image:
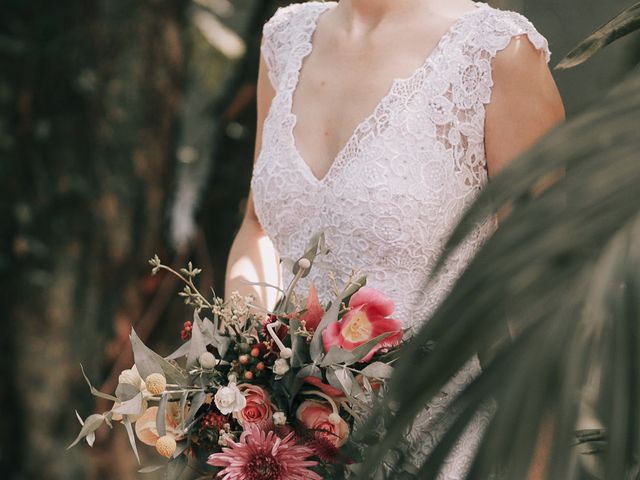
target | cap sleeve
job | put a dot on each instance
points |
(276, 40)
(495, 34)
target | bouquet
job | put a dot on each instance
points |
(252, 394)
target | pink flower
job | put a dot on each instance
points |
(365, 320)
(314, 310)
(258, 409)
(263, 455)
(319, 416)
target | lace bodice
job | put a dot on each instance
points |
(400, 184)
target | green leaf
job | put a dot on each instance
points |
(330, 316)
(176, 466)
(298, 344)
(181, 351)
(91, 424)
(94, 391)
(306, 371)
(198, 344)
(622, 25)
(133, 406)
(311, 252)
(341, 378)
(363, 350)
(151, 468)
(378, 370)
(337, 355)
(147, 361)
(126, 391)
(196, 402)
(161, 424)
(132, 439)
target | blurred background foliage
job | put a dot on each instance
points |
(127, 129)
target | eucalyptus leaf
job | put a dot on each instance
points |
(132, 439)
(378, 370)
(161, 423)
(310, 253)
(341, 378)
(330, 316)
(134, 406)
(94, 391)
(176, 466)
(181, 351)
(298, 344)
(147, 361)
(126, 391)
(151, 468)
(196, 402)
(337, 355)
(363, 350)
(197, 345)
(91, 424)
(306, 371)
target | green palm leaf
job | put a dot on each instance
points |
(563, 271)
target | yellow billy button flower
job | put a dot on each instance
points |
(156, 383)
(166, 446)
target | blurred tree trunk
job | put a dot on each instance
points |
(90, 96)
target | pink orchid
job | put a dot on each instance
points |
(366, 319)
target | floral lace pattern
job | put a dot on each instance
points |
(400, 184)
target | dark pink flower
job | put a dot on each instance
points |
(366, 319)
(258, 409)
(313, 310)
(263, 455)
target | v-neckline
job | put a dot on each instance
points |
(352, 140)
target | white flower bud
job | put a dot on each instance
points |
(334, 418)
(286, 353)
(156, 383)
(281, 366)
(131, 376)
(207, 360)
(304, 263)
(279, 418)
(232, 377)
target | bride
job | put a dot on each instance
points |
(379, 121)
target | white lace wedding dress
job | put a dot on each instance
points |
(398, 186)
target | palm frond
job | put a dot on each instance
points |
(563, 269)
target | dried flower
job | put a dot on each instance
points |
(279, 418)
(156, 383)
(166, 446)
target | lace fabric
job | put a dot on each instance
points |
(400, 184)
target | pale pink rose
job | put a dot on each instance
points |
(314, 415)
(366, 319)
(146, 429)
(258, 409)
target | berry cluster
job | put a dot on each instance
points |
(185, 334)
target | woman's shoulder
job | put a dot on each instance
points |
(495, 28)
(290, 15)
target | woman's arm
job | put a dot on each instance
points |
(252, 256)
(525, 105)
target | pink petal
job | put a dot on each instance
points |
(314, 310)
(373, 301)
(331, 336)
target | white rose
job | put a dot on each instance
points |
(279, 418)
(281, 366)
(229, 399)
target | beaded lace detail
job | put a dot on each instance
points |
(399, 185)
